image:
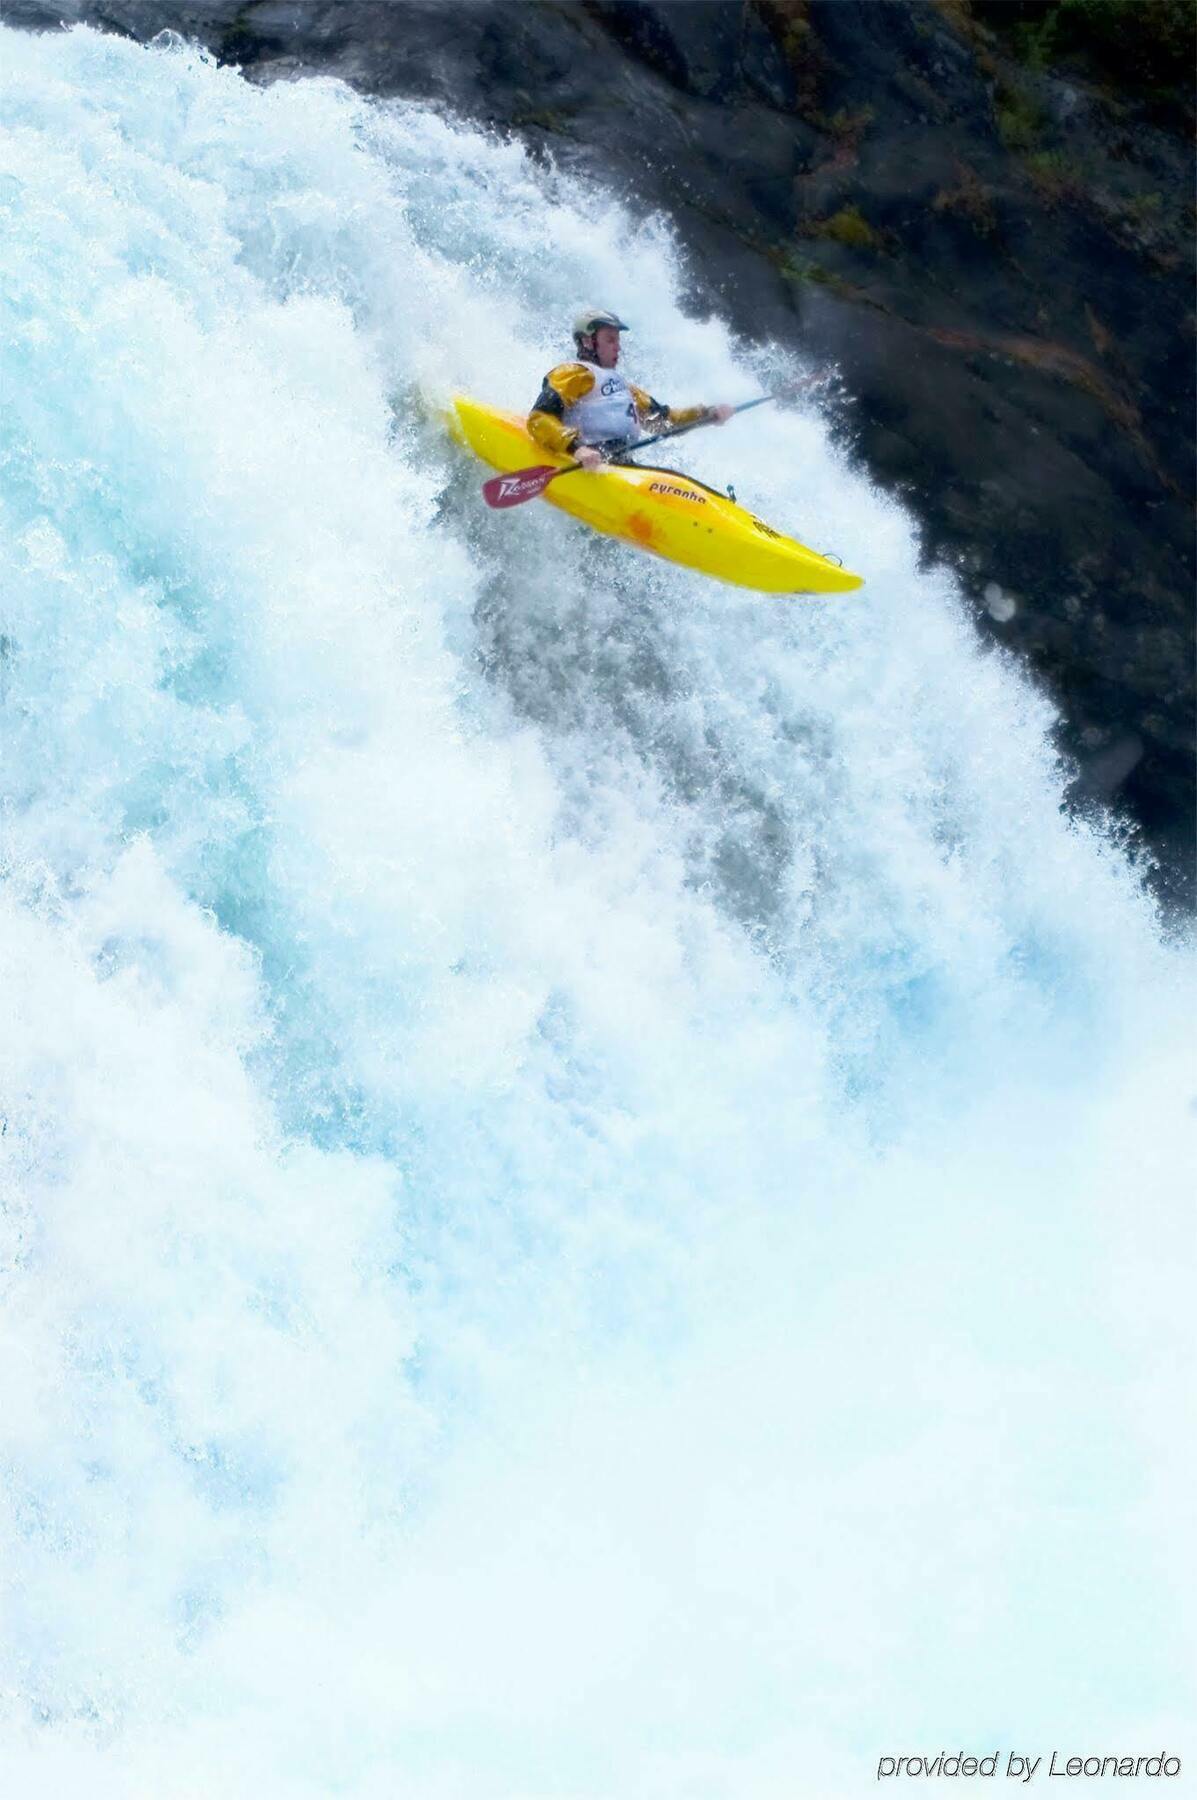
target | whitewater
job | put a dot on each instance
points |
(595, 1173)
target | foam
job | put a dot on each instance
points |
(593, 1168)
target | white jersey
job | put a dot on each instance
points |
(607, 411)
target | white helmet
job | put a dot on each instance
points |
(587, 323)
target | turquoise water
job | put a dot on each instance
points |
(594, 1172)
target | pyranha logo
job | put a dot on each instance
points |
(667, 487)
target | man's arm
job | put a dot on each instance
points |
(654, 415)
(563, 386)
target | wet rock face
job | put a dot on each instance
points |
(995, 248)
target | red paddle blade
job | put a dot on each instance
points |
(524, 484)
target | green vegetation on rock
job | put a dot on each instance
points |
(1056, 175)
(801, 270)
(970, 200)
(1148, 47)
(849, 226)
(1020, 119)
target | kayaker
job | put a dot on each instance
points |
(585, 403)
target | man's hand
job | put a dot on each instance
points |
(721, 414)
(587, 457)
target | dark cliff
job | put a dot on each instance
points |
(982, 211)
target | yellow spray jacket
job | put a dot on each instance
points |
(570, 382)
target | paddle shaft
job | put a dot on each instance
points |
(673, 431)
(526, 484)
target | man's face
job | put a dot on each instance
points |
(606, 346)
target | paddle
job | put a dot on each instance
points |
(526, 484)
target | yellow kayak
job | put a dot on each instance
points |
(659, 510)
